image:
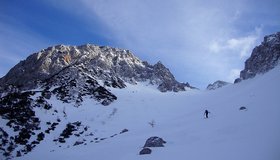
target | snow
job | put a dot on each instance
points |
(228, 133)
(271, 38)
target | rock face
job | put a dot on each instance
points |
(111, 65)
(263, 58)
(216, 85)
(18, 111)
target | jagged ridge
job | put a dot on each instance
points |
(100, 62)
(263, 58)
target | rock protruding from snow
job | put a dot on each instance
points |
(18, 110)
(263, 58)
(145, 151)
(243, 108)
(189, 86)
(154, 142)
(113, 66)
(217, 84)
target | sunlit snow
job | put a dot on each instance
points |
(228, 133)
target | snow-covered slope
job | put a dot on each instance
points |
(217, 84)
(229, 133)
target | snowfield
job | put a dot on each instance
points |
(228, 134)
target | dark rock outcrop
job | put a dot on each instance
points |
(145, 151)
(18, 109)
(154, 142)
(263, 58)
(243, 108)
(123, 131)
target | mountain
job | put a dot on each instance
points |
(217, 84)
(110, 65)
(73, 72)
(263, 58)
(67, 75)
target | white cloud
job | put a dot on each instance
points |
(241, 46)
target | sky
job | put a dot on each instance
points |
(199, 41)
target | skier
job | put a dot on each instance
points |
(206, 113)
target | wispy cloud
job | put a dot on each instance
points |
(241, 46)
(15, 43)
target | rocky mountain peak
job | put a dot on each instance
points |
(103, 63)
(263, 58)
(273, 39)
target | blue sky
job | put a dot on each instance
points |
(199, 41)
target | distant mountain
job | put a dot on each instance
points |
(263, 58)
(217, 84)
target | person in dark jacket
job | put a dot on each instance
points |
(206, 113)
